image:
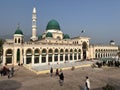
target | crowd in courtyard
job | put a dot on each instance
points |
(85, 78)
(7, 71)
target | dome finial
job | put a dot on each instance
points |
(18, 31)
(18, 25)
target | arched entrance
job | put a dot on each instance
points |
(43, 58)
(36, 56)
(9, 55)
(18, 55)
(28, 56)
(56, 55)
(84, 48)
(50, 54)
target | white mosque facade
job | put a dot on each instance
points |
(52, 47)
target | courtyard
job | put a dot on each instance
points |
(74, 79)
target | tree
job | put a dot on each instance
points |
(1, 46)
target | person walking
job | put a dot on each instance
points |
(12, 70)
(57, 72)
(87, 83)
(61, 77)
(51, 72)
(9, 73)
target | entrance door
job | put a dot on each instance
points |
(84, 48)
(84, 54)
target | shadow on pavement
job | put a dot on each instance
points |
(9, 85)
(116, 88)
(82, 88)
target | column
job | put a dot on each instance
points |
(25, 59)
(4, 60)
(68, 57)
(58, 58)
(39, 59)
(53, 58)
(46, 58)
(81, 55)
(64, 57)
(32, 59)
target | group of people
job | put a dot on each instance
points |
(61, 78)
(7, 71)
(58, 73)
(109, 63)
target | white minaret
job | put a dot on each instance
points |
(34, 26)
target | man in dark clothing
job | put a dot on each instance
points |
(57, 72)
(12, 71)
(61, 77)
(51, 71)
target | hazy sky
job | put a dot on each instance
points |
(100, 19)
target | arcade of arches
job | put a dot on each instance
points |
(44, 56)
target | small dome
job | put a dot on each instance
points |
(49, 34)
(39, 37)
(66, 36)
(53, 24)
(18, 31)
(112, 41)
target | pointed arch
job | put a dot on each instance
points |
(19, 40)
(50, 54)
(29, 53)
(18, 55)
(44, 53)
(85, 48)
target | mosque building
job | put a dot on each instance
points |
(52, 47)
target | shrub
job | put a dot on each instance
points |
(108, 87)
(72, 68)
(93, 65)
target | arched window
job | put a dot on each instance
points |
(75, 54)
(36, 58)
(56, 51)
(15, 40)
(56, 55)
(28, 56)
(71, 54)
(61, 54)
(66, 55)
(9, 56)
(19, 40)
(44, 52)
(84, 45)
(36, 52)
(50, 53)
(96, 55)
(9, 51)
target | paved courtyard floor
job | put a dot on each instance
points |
(74, 80)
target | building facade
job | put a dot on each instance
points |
(52, 47)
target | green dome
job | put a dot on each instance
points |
(39, 37)
(49, 34)
(18, 31)
(53, 24)
(66, 36)
(111, 40)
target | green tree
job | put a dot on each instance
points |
(1, 46)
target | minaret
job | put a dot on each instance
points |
(34, 27)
